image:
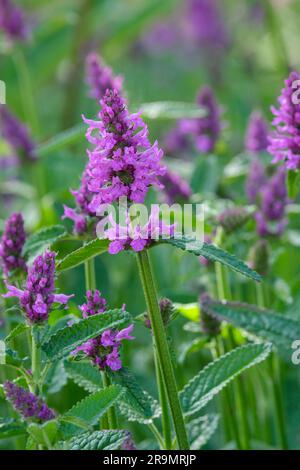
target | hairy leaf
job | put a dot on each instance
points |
(201, 429)
(96, 440)
(43, 239)
(11, 428)
(82, 254)
(85, 375)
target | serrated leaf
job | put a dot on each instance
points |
(56, 378)
(215, 254)
(18, 330)
(171, 110)
(67, 339)
(44, 434)
(265, 324)
(11, 428)
(82, 254)
(90, 409)
(136, 404)
(201, 429)
(43, 239)
(85, 375)
(216, 375)
(96, 440)
(62, 140)
(11, 358)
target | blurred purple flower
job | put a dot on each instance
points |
(123, 162)
(39, 294)
(175, 188)
(27, 404)
(17, 135)
(285, 139)
(176, 141)
(104, 350)
(257, 133)
(11, 245)
(256, 180)
(128, 443)
(12, 21)
(100, 78)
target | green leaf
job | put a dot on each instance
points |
(190, 311)
(44, 434)
(171, 110)
(18, 330)
(265, 324)
(56, 378)
(90, 409)
(293, 183)
(62, 140)
(96, 440)
(213, 253)
(67, 339)
(216, 375)
(11, 428)
(201, 429)
(136, 404)
(206, 175)
(11, 358)
(43, 239)
(82, 254)
(192, 347)
(85, 375)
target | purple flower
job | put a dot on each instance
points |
(100, 77)
(256, 180)
(27, 404)
(175, 188)
(270, 218)
(122, 162)
(176, 141)
(206, 130)
(104, 350)
(206, 24)
(285, 139)
(39, 294)
(128, 443)
(17, 135)
(12, 21)
(11, 245)
(257, 133)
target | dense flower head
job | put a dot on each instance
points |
(205, 130)
(11, 245)
(104, 350)
(27, 404)
(17, 135)
(136, 236)
(257, 133)
(81, 214)
(175, 188)
(285, 139)
(233, 218)
(123, 162)
(99, 77)
(176, 142)
(12, 21)
(256, 180)
(206, 24)
(270, 217)
(39, 295)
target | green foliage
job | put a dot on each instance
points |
(293, 183)
(11, 428)
(67, 339)
(88, 251)
(96, 440)
(201, 429)
(19, 329)
(44, 434)
(84, 374)
(62, 140)
(43, 239)
(216, 375)
(171, 110)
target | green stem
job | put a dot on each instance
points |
(163, 352)
(111, 413)
(90, 274)
(166, 423)
(35, 362)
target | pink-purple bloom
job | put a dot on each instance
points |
(100, 78)
(104, 350)
(27, 404)
(285, 139)
(12, 21)
(38, 296)
(256, 140)
(122, 162)
(256, 180)
(175, 188)
(17, 135)
(11, 245)
(205, 130)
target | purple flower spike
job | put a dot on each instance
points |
(12, 21)
(175, 188)
(39, 294)
(104, 350)
(257, 134)
(285, 139)
(123, 162)
(27, 404)
(206, 130)
(11, 245)
(255, 181)
(100, 77)
(17, 135)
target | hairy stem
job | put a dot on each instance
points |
(166, 423)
